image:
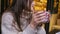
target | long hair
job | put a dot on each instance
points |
(18, 9)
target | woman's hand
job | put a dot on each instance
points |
(39, 17)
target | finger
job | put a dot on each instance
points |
(41, 15)
(42, 21)
(48, 15)
(37, 13)
(38, 22)
(41, 18)
(38, 19)
(38, 16)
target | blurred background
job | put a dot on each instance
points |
(0, 16)
(53, 6)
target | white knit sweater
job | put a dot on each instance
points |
(9, 26)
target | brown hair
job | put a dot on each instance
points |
(17, 9)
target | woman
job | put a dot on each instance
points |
(14, 21)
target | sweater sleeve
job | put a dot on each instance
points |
(41, 30)
(29, 30)
(6, 27)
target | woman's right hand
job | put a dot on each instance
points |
(39, 17)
